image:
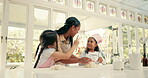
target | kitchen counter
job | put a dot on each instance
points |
(102, 71)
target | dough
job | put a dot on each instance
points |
(57, 67)
(90, 65)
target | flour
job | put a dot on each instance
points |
(57, 67)
(90, 65)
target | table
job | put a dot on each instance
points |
(102, 71)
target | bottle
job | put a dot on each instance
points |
(144, 60)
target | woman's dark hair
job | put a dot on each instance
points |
(48, 37)
(96, 48)
(69, 23)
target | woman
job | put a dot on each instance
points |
(66, 34)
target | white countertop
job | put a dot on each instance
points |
(102, 71)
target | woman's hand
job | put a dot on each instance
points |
(76, 42)
(84, 60)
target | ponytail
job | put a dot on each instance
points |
(71, 41)
(37, 51)
(63, 29)
(41, 51)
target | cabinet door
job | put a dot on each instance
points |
(1, 16)
(42, 19)
(133, 39)
(16, 34)
(2, 42)
(125, 35)
(59, 18)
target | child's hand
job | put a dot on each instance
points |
(76, 42)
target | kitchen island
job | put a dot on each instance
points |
(102, 71)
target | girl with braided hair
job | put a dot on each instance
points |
(49, 52)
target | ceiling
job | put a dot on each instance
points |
(87, 22)
(138, 4)
(91, 22)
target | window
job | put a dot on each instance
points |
(16, 33)
(102, 9)
(62, 2)
(146, 19)
(133, 40)
(140, 35)
(146, 35)
(77, 3)
(112, 11)
(47, 0)
(123, 14)
(146, 32)
(139, 17)
(59, 18)
(125, 52)
(131, 16)
(90, 5)
(1, 16)
(125, 36)
(40, 24)
(115, 40)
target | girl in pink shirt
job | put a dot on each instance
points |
(49, 52)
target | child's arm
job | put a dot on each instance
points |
(61, 55)
(100, 58)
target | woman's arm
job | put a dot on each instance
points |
(61, 55)
(69, 61)
(73, 56)
(83, 60)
